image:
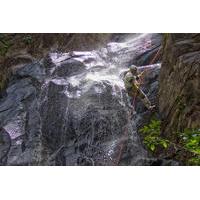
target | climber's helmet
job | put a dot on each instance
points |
(133, 69)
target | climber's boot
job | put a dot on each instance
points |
(151, 107)
(147, 103)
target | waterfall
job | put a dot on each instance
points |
(74, 109)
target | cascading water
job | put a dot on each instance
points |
(74, 109)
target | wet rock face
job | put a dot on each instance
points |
(27, 47)
(150, 55)
(72, 109)
(89, 118)
(180, 83)
(20, 116)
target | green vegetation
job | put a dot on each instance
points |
(27, 39)
(2, 82)
(190, 140)
(4, 45)
(7, 41)
(152, 138)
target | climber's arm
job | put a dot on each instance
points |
(135, 82)
(141, 74)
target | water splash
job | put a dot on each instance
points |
(104, 67)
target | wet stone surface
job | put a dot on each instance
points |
(72, 109)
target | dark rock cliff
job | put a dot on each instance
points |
(179, 91)
(19, 49)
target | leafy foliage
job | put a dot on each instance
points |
(28, 39)
(191, 142)
(152, 137)
(4, 45)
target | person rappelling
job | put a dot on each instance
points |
(132, 85)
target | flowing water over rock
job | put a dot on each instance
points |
(72, 108)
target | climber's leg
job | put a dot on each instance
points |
(145, 99)
(132, 100)
(131, 95)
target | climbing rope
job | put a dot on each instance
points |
(141, 80)
(125, 132)
(152, 61)
(121, 147)
(154, 58)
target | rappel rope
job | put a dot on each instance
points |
(141, 80)
(125, 132)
